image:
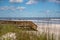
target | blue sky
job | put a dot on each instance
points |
(29, 8)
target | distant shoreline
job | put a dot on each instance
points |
(29, 18)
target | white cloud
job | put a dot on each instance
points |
(13, 8)
(56, 1)
(21, 8)
(16, 1)
(7, 8)
(4, 8)
(32, 2)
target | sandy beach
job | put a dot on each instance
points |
(49, 28)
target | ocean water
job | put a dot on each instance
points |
(34, 19)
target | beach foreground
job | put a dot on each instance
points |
(45, 31)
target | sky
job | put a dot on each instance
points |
(29, 8)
